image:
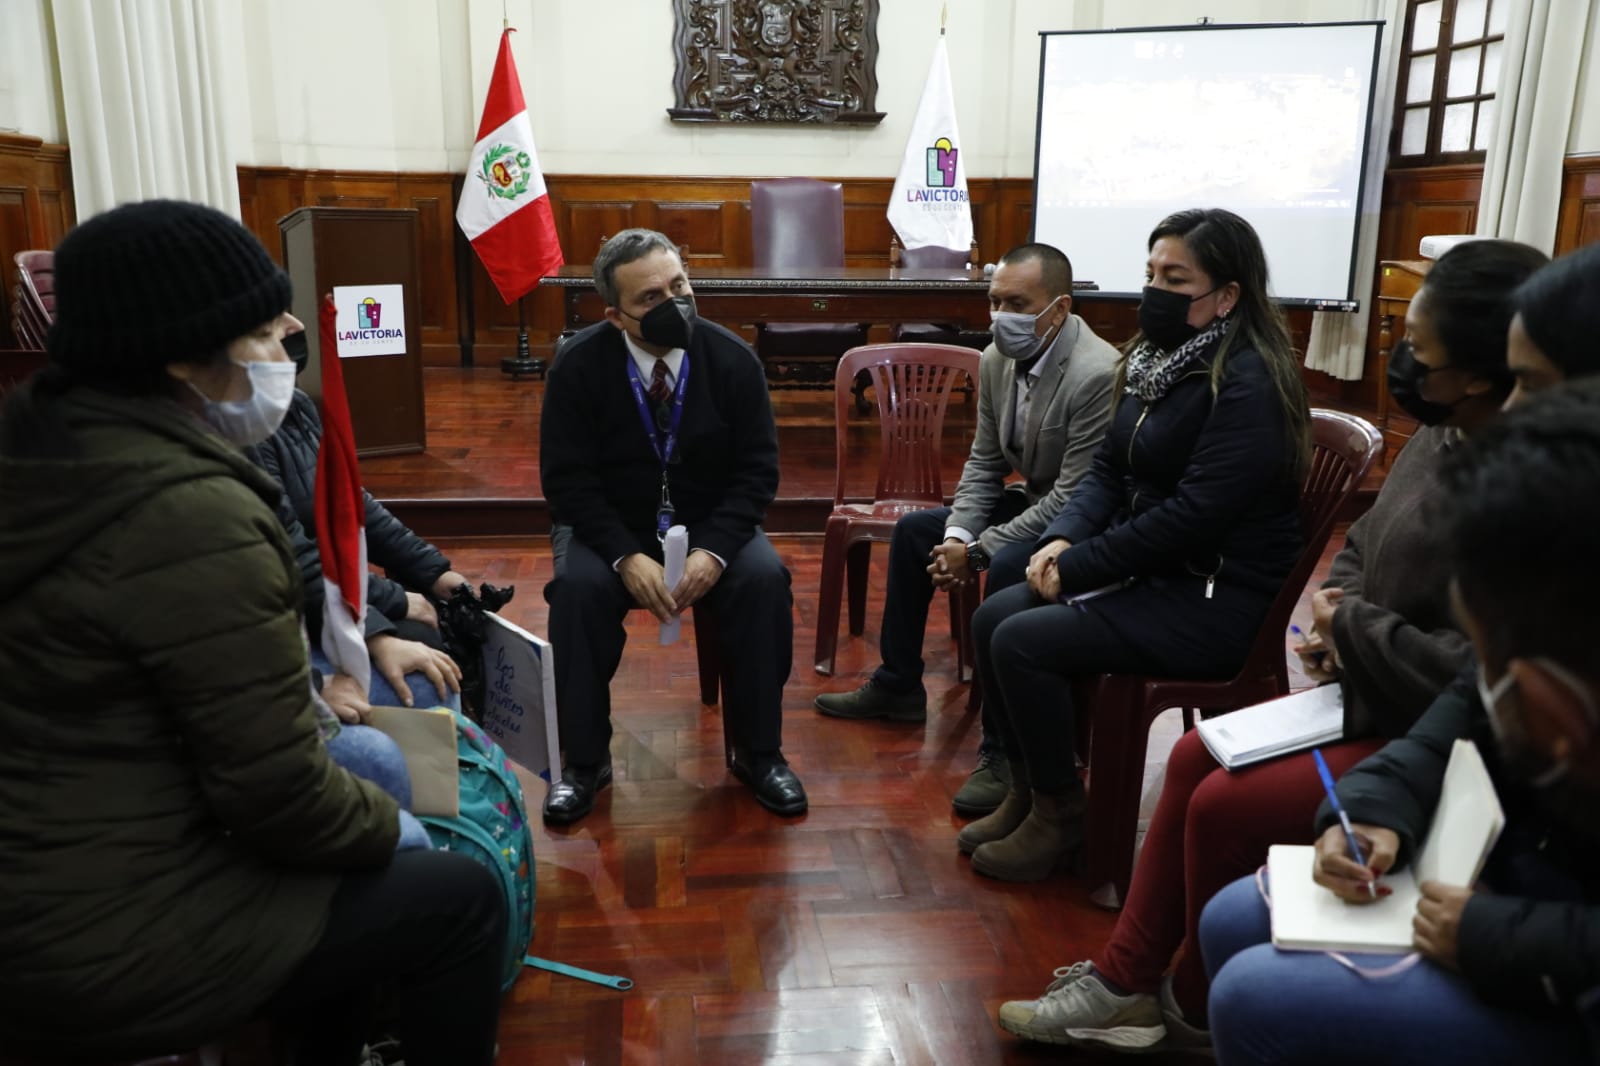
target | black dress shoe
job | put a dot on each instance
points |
(573, 796)
(775, 785)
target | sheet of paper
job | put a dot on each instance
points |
(427, 738)
(1293, 723)
(675, 551)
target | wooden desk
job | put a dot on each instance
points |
(1398, 282)
(736, 296)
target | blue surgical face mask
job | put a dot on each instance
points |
(251, 421)
(1015, 332)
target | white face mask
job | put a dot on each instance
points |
(247, 422)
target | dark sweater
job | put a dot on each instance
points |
(1394, 630)
(1189, 484)
(601, 474)
(409, 562)
(1533, 938)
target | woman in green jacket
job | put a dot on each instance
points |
(178, 854)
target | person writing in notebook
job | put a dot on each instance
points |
(1510, 968)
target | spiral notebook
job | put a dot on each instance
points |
(1466, 825)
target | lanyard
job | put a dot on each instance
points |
(664, 449)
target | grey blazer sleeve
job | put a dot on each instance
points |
(1088, 416)
(984, 476)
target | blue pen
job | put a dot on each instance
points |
(1344, 819)
(1297, 631)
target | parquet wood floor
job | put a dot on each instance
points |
(483, 441)
(854, 935)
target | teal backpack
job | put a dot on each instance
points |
(492, 828)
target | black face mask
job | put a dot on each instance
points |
(669, 323)
(1164, 317)
(1406, 376)
(295, 346)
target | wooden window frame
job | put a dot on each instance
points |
(1442, 52)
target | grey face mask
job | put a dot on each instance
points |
(1014, 335)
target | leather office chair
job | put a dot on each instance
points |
(799, 222)
(912, 383)
(1118, 709)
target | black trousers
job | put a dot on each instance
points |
(753, 607)
(1030, 652)
(905, 604)
(425, 939)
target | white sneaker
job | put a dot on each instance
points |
(1078, 1008)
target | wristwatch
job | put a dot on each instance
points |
(977, 558)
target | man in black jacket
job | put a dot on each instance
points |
(401, 623)
(1512, 965)
(655, 418)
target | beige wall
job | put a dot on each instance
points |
(396, 84)
(30, 88)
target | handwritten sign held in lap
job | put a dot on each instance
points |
(520, 696)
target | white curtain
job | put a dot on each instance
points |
(145, 84)
(1338, 343)
(1533, 107)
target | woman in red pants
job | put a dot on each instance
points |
(1382, 629)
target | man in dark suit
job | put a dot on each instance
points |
(655, 418)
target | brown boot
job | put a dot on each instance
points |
(1048, 838)
(1011, 813)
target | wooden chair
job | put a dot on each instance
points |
(1118, 709)
(912, 384)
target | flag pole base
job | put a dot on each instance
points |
(523, 363)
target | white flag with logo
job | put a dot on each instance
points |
(929, 205)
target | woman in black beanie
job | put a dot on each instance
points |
(177, 852)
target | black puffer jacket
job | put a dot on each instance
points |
(290, 456)
(1530, 938)
(1189, 484)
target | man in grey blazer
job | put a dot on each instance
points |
(1044, 401)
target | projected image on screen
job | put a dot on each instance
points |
(1270, 122)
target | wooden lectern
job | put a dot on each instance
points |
(329, 247)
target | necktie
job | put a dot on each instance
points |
(660, 391)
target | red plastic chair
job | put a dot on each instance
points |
(713, 672)
(912, 383)
(36, 271)
(1119, 709)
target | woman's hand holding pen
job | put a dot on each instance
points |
(1316, 658)
(1336, 871)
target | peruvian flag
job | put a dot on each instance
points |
(505, 208)
(341, 520)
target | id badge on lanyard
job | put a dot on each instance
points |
(664, 449)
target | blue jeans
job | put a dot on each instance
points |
(382, 694)
(1271, 1006)
(368, 753)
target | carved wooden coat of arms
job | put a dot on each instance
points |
(776, 61)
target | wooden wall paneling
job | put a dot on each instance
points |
(36, 208)
(13, 239)
(1578, 221)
